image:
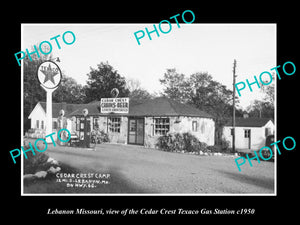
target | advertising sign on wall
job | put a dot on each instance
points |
(114, 105)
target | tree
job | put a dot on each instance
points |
(32, 91)
(212, 97)
(269, 90)
(102, 80)
(200, 90)
(264, 107)
(260, 108)
(176, 86)
(203, 92)
(269, 98)
(208, 94)
(133, 84)
(137, 93)
(69, 91)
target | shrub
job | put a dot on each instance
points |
(165, 143)
(214, 148)
(103, 137)
(225, 144)
(35, 163)
(38, 162)
(180, 142)
(192, 144)
(100, 136)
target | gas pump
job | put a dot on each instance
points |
(84, 130)
(62, 124)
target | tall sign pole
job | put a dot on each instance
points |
(233, 116)
(49, 75)
(49, 110)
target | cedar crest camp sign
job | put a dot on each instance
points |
(114, 105)
(49, 74)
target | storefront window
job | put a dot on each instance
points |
(114, 124)
(95, 123)
(162, 126)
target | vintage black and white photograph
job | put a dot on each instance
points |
(171, 108)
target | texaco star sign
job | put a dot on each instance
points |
(49, 74)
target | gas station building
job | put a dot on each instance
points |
(139, 124)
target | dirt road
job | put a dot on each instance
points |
(136, 169)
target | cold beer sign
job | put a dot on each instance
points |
(114, 105)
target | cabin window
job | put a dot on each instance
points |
(194, 126)
(203, 127)
(247, 133)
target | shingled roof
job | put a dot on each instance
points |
(67, 107)
(161, 106)
(249, 122)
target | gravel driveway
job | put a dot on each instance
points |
(135, 169)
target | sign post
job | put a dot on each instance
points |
(49, 75)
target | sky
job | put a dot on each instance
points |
(191, 48)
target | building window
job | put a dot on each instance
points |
(162, 126)
(202, 127)
(95, 123)
(42, 124)
(247, 133)
(37, 124)
(194, 126)
(267, 131)
(114, 124)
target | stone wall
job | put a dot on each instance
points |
(205, 130)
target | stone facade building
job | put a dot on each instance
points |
(145, 122)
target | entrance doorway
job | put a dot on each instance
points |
(136, 131)
(248, 138)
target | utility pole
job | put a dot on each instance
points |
(233, 116)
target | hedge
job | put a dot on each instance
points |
(180, 142)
